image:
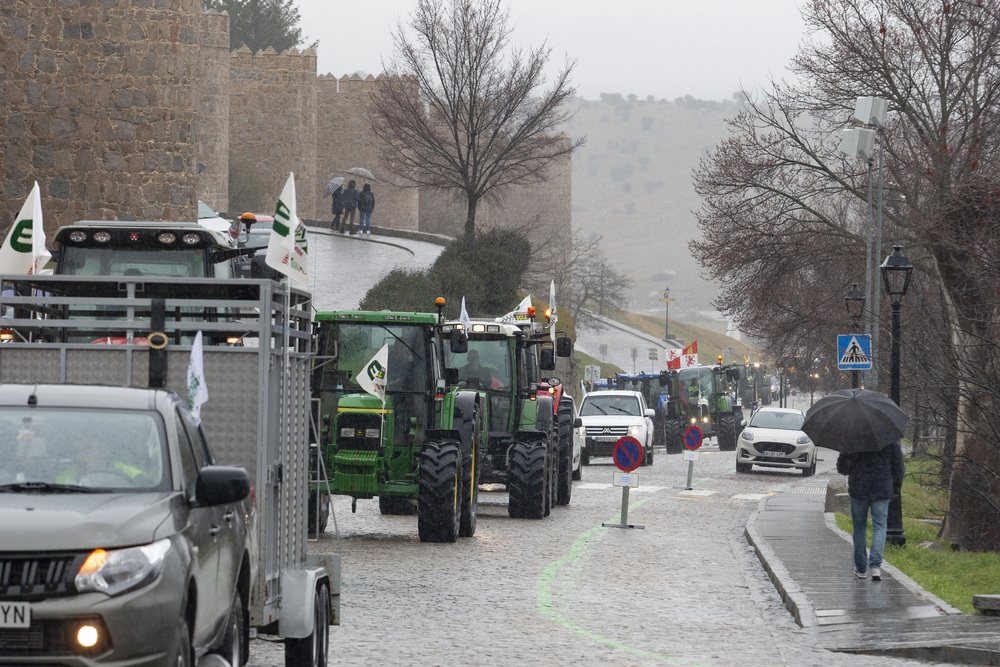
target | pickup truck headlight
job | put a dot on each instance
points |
(119, 570)
(634, 430)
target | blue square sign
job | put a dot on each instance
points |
(854, 352)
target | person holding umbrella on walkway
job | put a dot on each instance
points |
(866, 428)
(350, 201)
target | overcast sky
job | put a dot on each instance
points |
(664, 48)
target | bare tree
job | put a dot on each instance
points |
(461, 110)
(590, 283)
(784, 212)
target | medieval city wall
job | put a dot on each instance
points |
(98, 105)
(213, 111)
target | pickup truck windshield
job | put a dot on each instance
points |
(50, 449)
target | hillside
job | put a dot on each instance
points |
(632, 185)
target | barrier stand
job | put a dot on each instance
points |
(626, 480)
(628, 455)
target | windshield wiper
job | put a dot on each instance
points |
(597, 407)
(39, 487)
(623, 410)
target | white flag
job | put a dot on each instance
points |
(197, 389)
(519, 313)
(24, 251)
(287, 247)
(553, 316)
(464, 318)
(372, 377)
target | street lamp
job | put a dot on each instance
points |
(666, 322)
(896, 272)
(855, 300)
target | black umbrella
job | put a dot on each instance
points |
(855, 420)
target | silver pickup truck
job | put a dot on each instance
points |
(122, 542)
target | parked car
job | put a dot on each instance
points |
(123, 542)
(611, 415)
(579, 436)
(773, 437)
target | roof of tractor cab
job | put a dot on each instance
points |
(379, 316)
(486, 327)
(122, 233)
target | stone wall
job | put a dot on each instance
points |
(98, 104)
(213, 111)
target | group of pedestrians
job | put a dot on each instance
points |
(350, 201)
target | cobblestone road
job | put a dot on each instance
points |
(685, 590)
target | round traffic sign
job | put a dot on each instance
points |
(627, 454)
(693, 437)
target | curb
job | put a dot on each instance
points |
(791, 594)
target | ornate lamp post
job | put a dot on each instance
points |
(855, 300)
(896, 272)
(666, 324)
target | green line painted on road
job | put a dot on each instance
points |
(579, 548)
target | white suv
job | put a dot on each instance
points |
(609, 416)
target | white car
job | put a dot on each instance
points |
(209, 219)
(579, 435)
(773, 437)
(611, 415)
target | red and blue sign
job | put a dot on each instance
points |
(693, 437)
(628, 454)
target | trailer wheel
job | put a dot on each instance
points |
(439, 505)
(470, 481)
(396, 506)
(527, 480)
(565, 484)
(311, 651)
(672, 436)
(324, 513)
(727, 432)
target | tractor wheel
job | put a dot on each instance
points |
(324, 514)
(672, 436)
(565, 474)
(726, 434)
(527, 480)
(394, 505)
(439, 505)
(470, 482)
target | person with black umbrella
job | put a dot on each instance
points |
(866, 428)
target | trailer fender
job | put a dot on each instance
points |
(465, 422)
(297, 590)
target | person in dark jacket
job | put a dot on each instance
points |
(350, 201)
(338, 208)
(366, 204)
(873, 478)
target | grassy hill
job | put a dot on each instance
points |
(632, 185)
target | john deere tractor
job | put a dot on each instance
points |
(530, 438)
(418, 444)
(698, 396)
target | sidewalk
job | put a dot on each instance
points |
(809, 560)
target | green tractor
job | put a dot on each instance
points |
(530, 431)
(417, 444)
(699, 396)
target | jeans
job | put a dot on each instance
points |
(859, 518)
(365, 221)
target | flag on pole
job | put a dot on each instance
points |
(287, 248)
(197, 389)
(553, 316)
(673, 358)
(464, 318)
(689, 357)
(519, 313)
(372, 377)
(24, 251)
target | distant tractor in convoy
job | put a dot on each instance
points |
(418, 448)
(698, 396)
(530, 447)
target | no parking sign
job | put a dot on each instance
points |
(627, 454)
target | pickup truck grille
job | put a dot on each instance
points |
(608, 431)
(38, 576)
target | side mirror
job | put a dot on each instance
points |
(221, 485)
(547, 360)
(577, 423)
(564, 346)
(458, 342)
(451, 376)
(650, 412)
(664, 377)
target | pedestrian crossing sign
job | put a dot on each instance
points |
(854, 352)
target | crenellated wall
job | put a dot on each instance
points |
(136, 109)
(98, 104)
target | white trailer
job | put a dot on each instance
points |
(135, 331)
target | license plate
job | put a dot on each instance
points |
(15, 615)
(605, 438)
(778, 454)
